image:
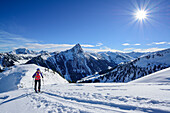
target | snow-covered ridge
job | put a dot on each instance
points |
(135, 69)
(20, 76)
(159, 57)
(162, 76)
(117, 57)
(9, 59)
(22, 51)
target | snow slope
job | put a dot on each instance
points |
(81, 98)
(157, 77)
(89, 98)
(125, 72)
(20, 76)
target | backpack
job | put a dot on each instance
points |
(37, 76)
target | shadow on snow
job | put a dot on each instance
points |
(19, 97)
(123, 107)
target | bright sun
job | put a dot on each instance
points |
(141, 15)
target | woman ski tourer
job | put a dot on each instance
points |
(37, 75)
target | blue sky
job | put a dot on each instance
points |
(98, 25)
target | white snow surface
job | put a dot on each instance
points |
(20, 76)
(162, 76)
(89, 98)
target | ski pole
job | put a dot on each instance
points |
(43, 81)
(33, 82)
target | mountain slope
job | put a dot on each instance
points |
(9, 59)
(135, 54)
(113, 57)
(162, 76)
(139, 67)
(89, 98)
(20, 76)
(74, 64)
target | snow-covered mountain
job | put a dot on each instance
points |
(43, 52)
(9, 59)
(162, 76)
(20, 76)
(74, 64)
(135, 54)
(17, 56)
(22, 51)
(137, 68)
(116, 57)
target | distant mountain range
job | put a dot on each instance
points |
(77, 65)
(132, 70)
(22, 51)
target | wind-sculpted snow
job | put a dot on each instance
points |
(89, 98)
(20, 76)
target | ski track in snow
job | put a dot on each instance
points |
(95, 98)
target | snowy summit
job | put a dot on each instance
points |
(22, 51)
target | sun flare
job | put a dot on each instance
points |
(141, 15)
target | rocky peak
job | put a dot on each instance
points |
(77, 49)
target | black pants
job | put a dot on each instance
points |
(39, 85)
